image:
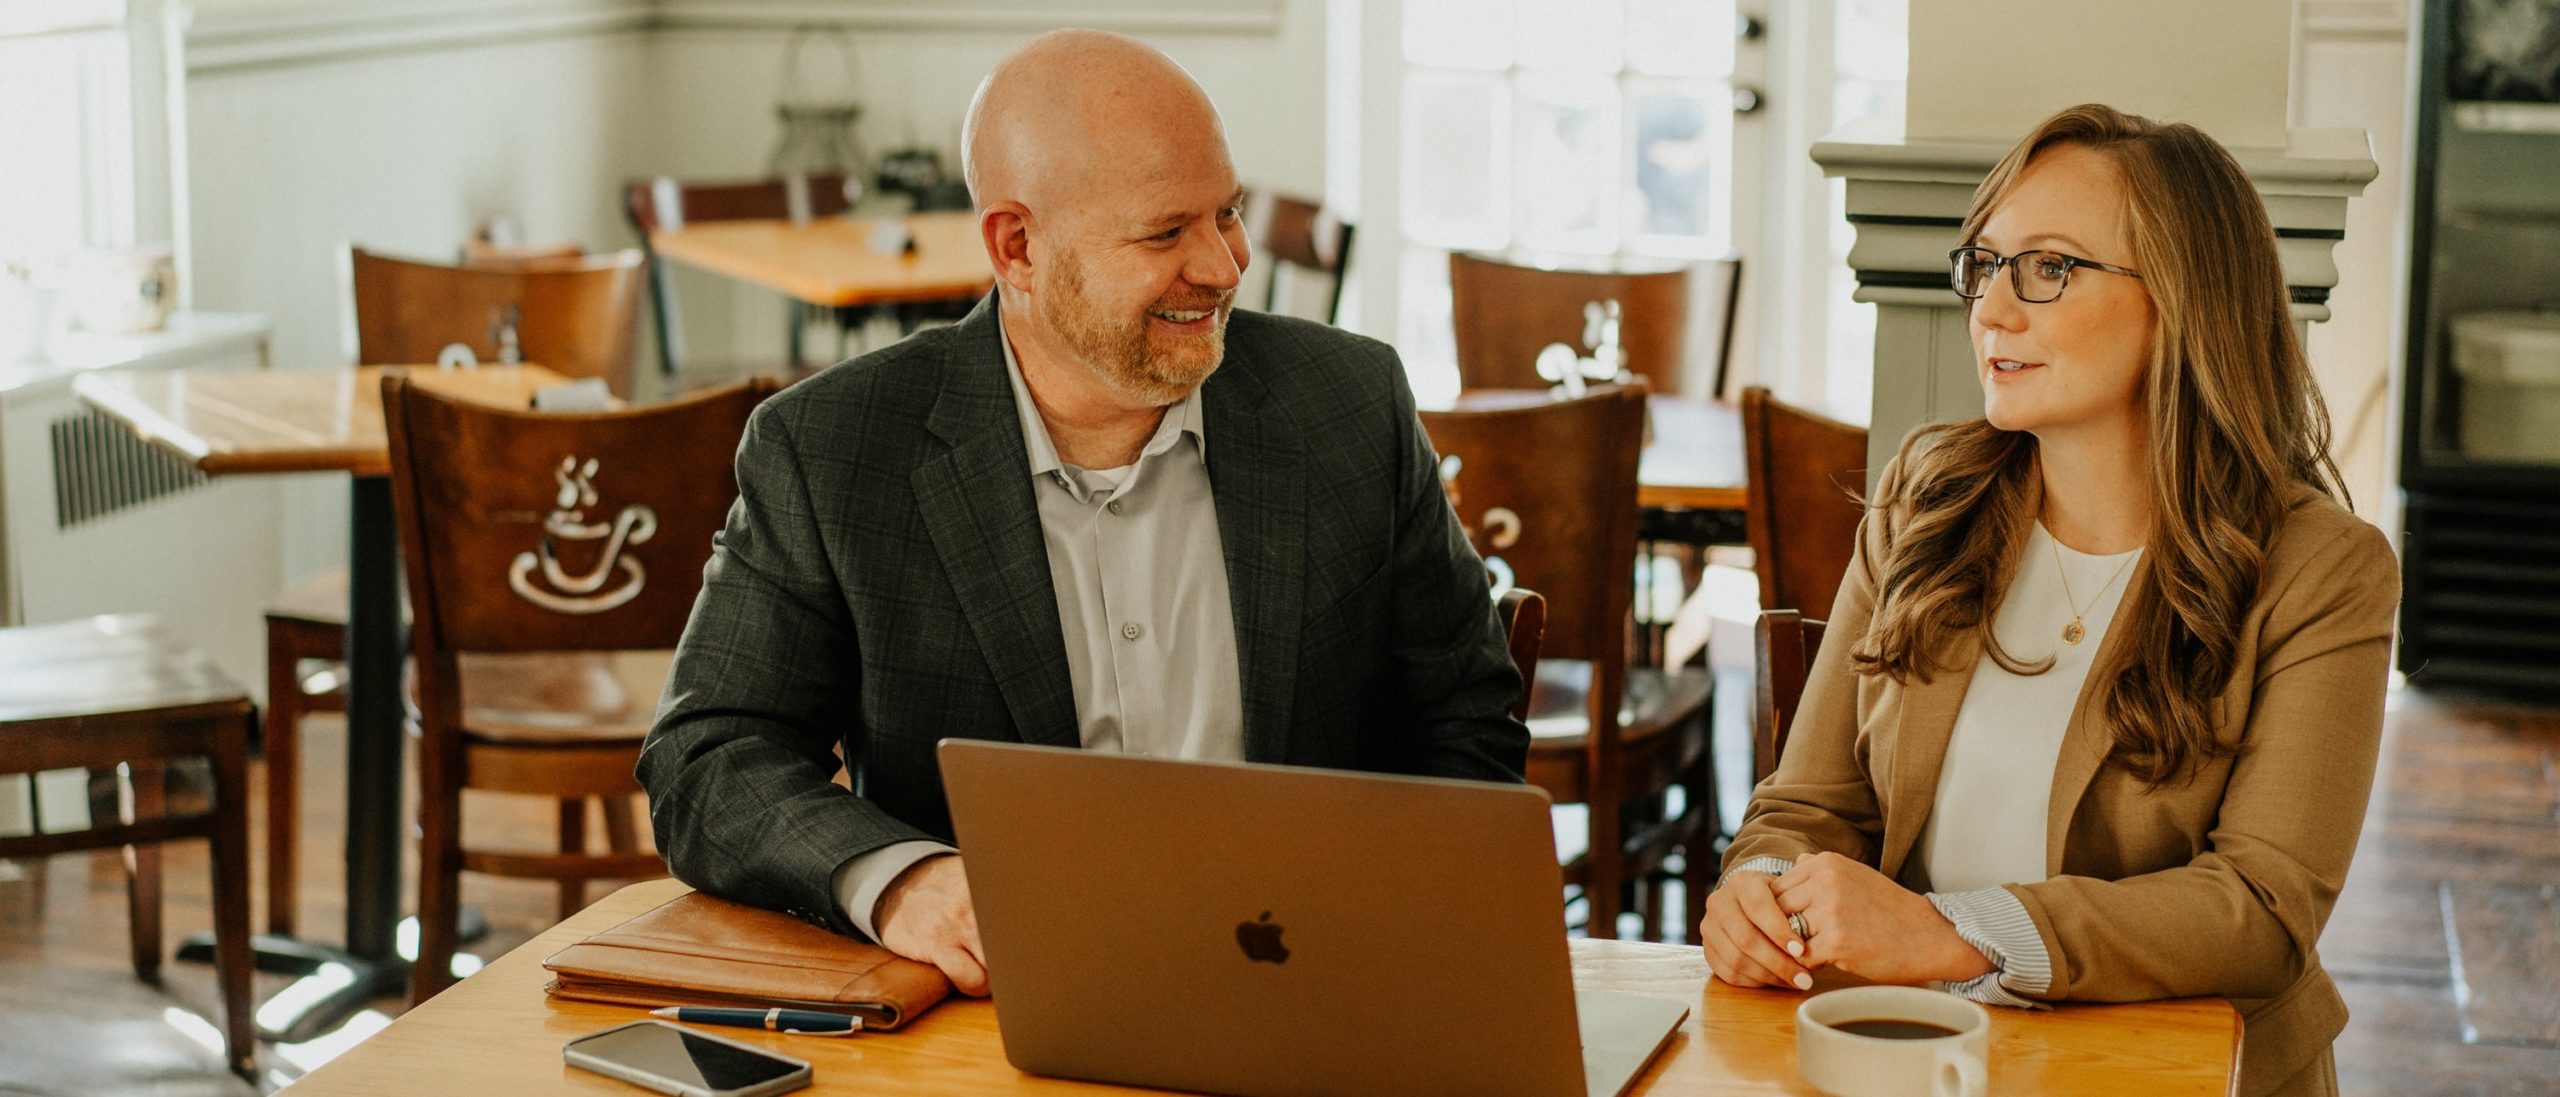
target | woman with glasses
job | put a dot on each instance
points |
(2097, 710)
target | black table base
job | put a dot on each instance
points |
(330, 984)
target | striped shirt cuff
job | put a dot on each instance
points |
(1993, 921)
(1772, 866)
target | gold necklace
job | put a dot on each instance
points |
(2072, 633)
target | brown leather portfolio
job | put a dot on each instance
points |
(698, 950)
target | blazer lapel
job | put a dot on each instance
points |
(1257, 476)
(977, 506)
(1926, 722)
(2088, 739)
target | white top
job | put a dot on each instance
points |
(1987, 826)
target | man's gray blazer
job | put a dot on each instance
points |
(882, 585)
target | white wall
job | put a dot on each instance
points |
(2352, 71)
(404, 150)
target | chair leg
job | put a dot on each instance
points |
(231, 955)
(439, 873)
(573, 839)
(142, 869)
(621, 834)
(284, 776)
(1702, 858)
(1603, 874)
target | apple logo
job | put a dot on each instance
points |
(1261, 941)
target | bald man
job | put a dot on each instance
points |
(1102, 511)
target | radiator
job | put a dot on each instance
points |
(94, 520)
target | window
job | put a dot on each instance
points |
(68, 131)
(1870, 59)
(1579, 129)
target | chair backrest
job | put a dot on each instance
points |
(1524, 623)
(1806, 475)
(484, 255)
(578, 319)
(1547, 492)
(1724, 298)
(1505, 313)
(525, 531)
(665, 203)
(1298, 233)
(1785, 642)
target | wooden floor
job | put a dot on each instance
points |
(74, 1020)
(2447, 941)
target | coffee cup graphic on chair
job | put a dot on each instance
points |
(634, 524)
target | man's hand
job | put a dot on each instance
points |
(1746, 935)
(925, 914)
(1869, 926)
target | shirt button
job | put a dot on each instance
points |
(1131, 631)
(1112, 506)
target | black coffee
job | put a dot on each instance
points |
(1890, 1029)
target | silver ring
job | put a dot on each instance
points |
(1796, 923)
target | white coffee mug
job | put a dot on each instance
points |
(1843, 1062)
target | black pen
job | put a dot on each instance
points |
(806, 1022)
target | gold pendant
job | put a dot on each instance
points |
(2071, 633)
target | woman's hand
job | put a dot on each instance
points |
(1746, 935)
(1859, 921)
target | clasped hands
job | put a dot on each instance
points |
(1854, 918)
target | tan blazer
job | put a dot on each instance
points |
(2216, 887)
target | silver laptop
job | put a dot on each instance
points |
(1274, 931)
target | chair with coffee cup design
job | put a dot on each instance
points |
(575, 318)
(528, 537)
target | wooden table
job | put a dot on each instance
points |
(232, 421)
(249, 421)
(828, 261)
(495, 1033)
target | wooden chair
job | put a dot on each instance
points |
(108, 691)
(1294, 232)
(483, 255)
(1785, 642)
(307, 624)
(1524, 624)
(524, 533)
(1506, 312)
(1806, 479)
(573, 315)
(664, 203)
(1547, 490)
(578, 320)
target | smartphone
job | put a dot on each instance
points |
(660, 1056)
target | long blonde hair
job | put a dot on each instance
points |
(2236, 425)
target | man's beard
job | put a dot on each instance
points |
(1118, 347)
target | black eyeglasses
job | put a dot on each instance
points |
(2037, 276)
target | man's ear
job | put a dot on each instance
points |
(1006, 228)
